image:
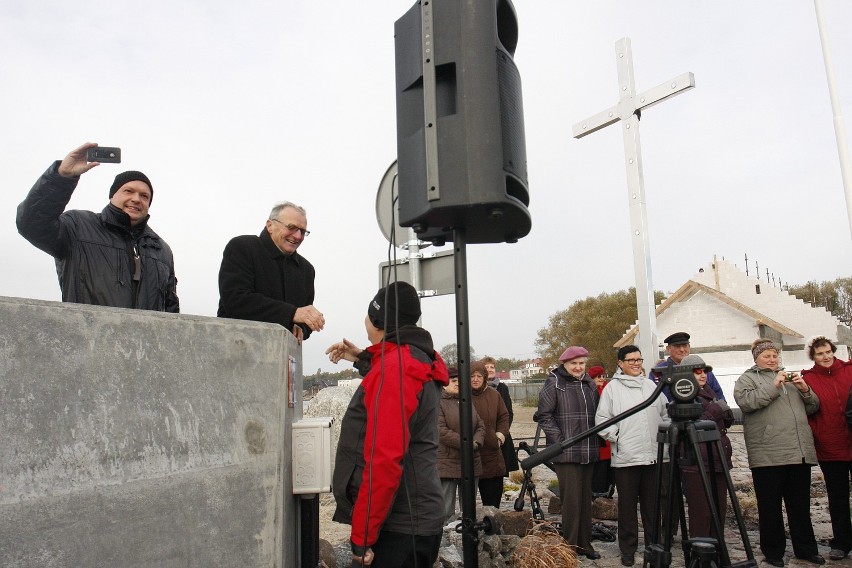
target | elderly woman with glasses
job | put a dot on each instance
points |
(831, 380)
(633, 446)
(780, 448)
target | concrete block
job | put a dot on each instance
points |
(131, 438)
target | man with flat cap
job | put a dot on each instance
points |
(112, 258)
(677, 347)
(386, 482)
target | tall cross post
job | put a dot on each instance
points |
(628, 111)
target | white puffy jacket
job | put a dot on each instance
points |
(634, 439)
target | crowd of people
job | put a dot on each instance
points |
(398, 462)
(792, 421)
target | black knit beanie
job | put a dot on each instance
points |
(127, 177)
(403, 305)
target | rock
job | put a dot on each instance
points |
(327, 554)
(491, 545)
(514, 522)
(343, 554)
(331, 401)
(554, 506)
(508, 543)
(603, 508)
(450, 557)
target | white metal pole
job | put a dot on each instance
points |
(839, 126)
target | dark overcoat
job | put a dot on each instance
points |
(258, 282)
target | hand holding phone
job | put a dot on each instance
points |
(104, 155)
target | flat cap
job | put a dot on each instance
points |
(677, 338)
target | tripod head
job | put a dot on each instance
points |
(684, 390)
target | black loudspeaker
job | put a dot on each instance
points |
(460, 144)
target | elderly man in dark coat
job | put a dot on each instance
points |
(263, 278)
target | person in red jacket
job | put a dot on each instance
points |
(386, 483)
(603, 484)
(831, 380)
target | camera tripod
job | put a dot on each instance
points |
(684, 435)
(698, 552)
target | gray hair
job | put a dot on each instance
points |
(276, 211)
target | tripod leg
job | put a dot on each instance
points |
(672, 493)
(709, 492)
(652, 533)
(735, 506)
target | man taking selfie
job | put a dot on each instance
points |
(112, 258)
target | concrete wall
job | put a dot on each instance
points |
(132, 438)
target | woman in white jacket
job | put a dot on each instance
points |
(634, 446)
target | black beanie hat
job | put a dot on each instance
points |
(403, 305)
(127, 177)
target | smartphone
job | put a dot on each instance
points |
(104, 155)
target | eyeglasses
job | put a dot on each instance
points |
(698, 371)
(292, 228)
(634, 361)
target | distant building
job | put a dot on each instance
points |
(503, 375)
(530, 368)
(349, 382)
(723, 309)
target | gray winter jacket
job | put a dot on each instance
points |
(94, 252)
(634, 439)
(775, 420)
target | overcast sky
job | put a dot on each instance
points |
(230, 107)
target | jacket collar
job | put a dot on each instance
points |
(563, 376)
(629, 380)
(826, 371)
(274, 252)
(115, 217)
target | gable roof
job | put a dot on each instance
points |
(759, 301)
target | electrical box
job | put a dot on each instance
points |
(312, 455)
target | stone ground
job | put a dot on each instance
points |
(524, 427)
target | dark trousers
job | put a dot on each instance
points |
(491, 491)
(602, 477)
(635, 484)
(837, 475)
(397, 550)
(792, 484)
(575, 492)
(700, 520)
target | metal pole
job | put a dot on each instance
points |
(839, 127)
(310, 523)
(470, 536)
(414, 259)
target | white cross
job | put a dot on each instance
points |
(628, 111)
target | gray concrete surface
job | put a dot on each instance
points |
(132, 438)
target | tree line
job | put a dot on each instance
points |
(598, 322)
